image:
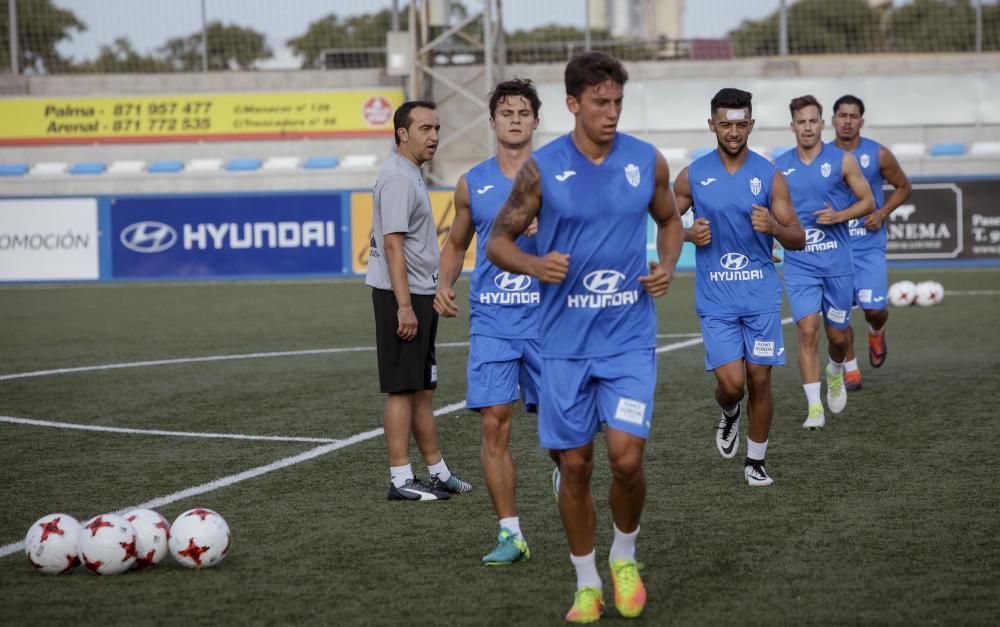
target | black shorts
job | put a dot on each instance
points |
(405, 366)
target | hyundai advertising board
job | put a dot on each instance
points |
(226, 235)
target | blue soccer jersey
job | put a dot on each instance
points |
(597, 215)
(735, 275)
(501, 304)
(861, 238)
(828, 247)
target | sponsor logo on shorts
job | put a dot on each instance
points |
(763, 348)
(631, 411)
(836, 315)
(865, 296)
(434, 373)
(735, 269)
(603, 286)
(816, 241)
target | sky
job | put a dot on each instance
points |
(149, 23)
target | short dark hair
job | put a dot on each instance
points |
(401, 118)
(592, 68)
(732, 98)
(802, 102)
(515, 87)
(849, 100)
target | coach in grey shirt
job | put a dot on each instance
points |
(403, 273)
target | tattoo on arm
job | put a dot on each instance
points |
(523, 203)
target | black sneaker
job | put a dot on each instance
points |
(415, 490)
(727, 437)
(756, 474)
(453, 485)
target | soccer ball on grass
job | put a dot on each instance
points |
(199, 538)
(50, 544)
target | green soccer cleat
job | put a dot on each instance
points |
(836, 393)
(588, 606)
(630, 593)
(510, 548)
(816, 418)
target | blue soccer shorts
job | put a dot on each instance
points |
(498, 368)
(830, 295)
(757, 339)
(871, 281)
(579, 396)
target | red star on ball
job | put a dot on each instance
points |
(92, 566)
(72, 561)
(143, 562)
(96, 524)
(201, 513)
(129, 549)
(51, 527)
(163, 525)
(193, 551)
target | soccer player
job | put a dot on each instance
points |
(591, 191)
(403, 273)
(868, 239)
(503, 307)
(820, 278)
(742, 205)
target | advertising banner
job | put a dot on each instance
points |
(198, 117)
(443, 203)
(51, 239)
(226, 235)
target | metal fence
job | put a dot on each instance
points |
(81, 36)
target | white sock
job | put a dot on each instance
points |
(812, 393)
(836, 368)
(756, 450)
(732, 411)
(400, 474)
(851, 365)
(623, 548)
(512, 524)
(586, 571)
(439, 470)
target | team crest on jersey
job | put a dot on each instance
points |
(865, 160)
(755, 186)
(825, 170)
(632, 174)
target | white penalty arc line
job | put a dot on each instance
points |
(229, 480)
(181, 434)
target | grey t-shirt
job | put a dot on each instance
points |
(401, 205)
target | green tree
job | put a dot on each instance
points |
(121, 56)
(229, 48)
(357, 31)
(937, 26)
(814, 27)
(40, 27)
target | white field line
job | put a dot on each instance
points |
(208, 358)
(180, 434)
(972, 292)
(229, 480)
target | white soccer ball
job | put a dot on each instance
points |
(902, 293)
(50, 544)
(199, 538)
(929, 293)
(152, 532)
(107, 544)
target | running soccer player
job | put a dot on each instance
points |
(742, 205)
(503, 307)
(868, 239)
(591, 191)
(820, 279)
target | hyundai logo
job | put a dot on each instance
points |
(734, 261)
(148, 237)
(853, 223)
(815, 236)
(603, 281)
(512, 282)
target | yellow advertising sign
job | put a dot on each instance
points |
(198, 117)
(443, 203)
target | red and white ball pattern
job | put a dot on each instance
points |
(152, 533)
(51, 544)
(199, 538)
(108, 544)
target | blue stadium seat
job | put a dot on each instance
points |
(14, 169)
(321, 163)
(698, 153)
(243, 165)
(88, 167)
(947, 150)
(166, 166)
